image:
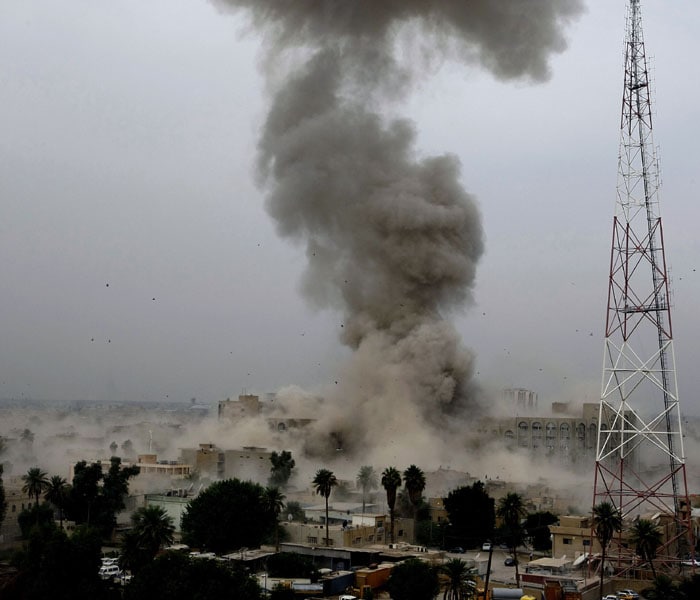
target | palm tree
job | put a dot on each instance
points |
(366, 481)
(35, 483)
(511, 510)
(324, 482)
(607, 521)
(646, 539)
(56, 493)
(153, 528)
(391, 480)
(273, 501)
(460, 585)
(414, 480)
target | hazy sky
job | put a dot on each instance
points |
(138, 261)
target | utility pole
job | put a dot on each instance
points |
(640, 461)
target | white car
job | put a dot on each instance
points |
(486, 546)
(109, 571)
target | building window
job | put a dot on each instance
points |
(312, 540)
(400, 532)
(586, 542)
(568, 541)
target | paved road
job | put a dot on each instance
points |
(499, 572)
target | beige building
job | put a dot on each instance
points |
(361, 530)
(248, 463)
(572, 537)
(567, 434)
(247, 405)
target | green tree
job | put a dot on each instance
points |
(511, 510)
(57, 494)
(175, 576)
(391, 480)
(414, 480)
(413, 579)
(95, 504)
(607, 521)
(324, 482)
(153, 528)
(367, 481)
(273, 502)
(226, 516)
(537, 529)
(460, 584)
(664, 588)
(282, 466)
(84, 492)
(294, 508)
(36, 517)
(646, 538)
(472, 516)
(53, 565)
(35, 483)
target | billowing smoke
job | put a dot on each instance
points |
(392, 239)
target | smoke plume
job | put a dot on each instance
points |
(392, 239)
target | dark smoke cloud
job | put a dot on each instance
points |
(392, 240)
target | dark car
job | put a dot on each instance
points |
(456, 550)
(509, 561)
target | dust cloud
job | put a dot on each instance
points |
(392, 239)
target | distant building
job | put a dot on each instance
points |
(247, 463)
(569, 436)
(207, 460)
(521, 398)
(247, 405)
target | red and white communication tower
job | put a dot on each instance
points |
(640, 461)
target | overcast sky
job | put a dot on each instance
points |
(137, 260)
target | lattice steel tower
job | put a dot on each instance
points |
(640, 462)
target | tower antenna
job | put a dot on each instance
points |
(640, 461)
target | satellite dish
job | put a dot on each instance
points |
(290, 518)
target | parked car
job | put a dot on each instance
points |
(456, 550)
(609, 597)
(627, 595)
(510, 562)
(486, 546)
(109, 571)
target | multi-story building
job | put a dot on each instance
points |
(247, 405)
(563, 434)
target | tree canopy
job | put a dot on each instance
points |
(151, 529)
(324, 482)
(175, 576)
(34, 483)
(391, 480)
(414, 480)
(228, 515)
(472, 516)
(281, 470)
(56, 566)
(94, 504)
(537, 529)
(413, 579)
